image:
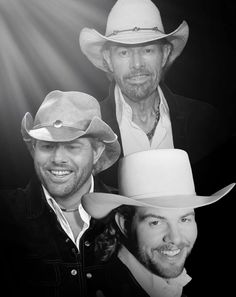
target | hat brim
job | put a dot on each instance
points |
(98, 205)
(96, 129)
(92, 42)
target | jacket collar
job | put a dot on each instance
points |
(36, 200)
(177, 115)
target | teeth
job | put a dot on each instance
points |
(60, 172)
(171, 253)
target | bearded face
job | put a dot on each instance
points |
(161, 239)
(137, 69)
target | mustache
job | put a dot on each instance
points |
(171, 247)
(137, 73)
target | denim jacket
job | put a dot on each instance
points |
(37, 256)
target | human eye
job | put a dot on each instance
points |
(188, 219)
(73, 146)
(123, 52)
(149, 49)
(45, 146)
(154, 222)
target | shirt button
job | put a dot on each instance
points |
(73, 272)
(87, 243)
(88, 275)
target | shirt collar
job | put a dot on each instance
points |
(56, 208)
(124, 109)
(151, 283)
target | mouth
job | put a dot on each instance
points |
(138, 78)
(170, 253)
(60, 173)
(59, 176)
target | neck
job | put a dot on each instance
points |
(146, 113)
(144, 106)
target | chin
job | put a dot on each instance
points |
(170, 272)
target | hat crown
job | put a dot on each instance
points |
(162, 172)
(130, 14)
(66, 116)
(72, 109)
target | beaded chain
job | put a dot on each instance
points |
(157, 114)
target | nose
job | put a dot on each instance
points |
(172, 235)
(137, 60)
(59, 154)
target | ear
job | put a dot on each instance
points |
(166, 53)
(31, 146)
(120, 221)
(97, 151)
(107, 58)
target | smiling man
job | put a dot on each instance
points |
(47, 238)
(135, 52)
(162, 239)
(150, 227)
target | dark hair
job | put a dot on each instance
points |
(110, 240)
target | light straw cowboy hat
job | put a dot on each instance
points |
(131, 22)
(65, 116)
(155, 178)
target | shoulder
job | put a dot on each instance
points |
(100, 186)
(113, 278)
(108, 102)
(194, 105)
(16, 203)
(13, 206)
(198, 113)
(10, 197)
(186, 104)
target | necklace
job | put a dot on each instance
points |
(69, 209)
(157, 118)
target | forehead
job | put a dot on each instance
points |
(167, 213)
(80, 140)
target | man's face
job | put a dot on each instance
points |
(137, 69)
(64, 167)
(163, 238)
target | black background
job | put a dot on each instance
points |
(205, 71)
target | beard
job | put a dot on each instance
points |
(138, 91)
(155, 262)
(70, 187)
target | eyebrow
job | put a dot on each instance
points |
(148, 215)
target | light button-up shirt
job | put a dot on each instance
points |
(134, 139)
(62, 219)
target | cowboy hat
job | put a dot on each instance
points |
(131, 22)
(156, 178)
(65, 116)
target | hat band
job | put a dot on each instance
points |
(80, 125)
(135, 29)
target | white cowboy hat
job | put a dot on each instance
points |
(65, 116)
(156, 178)
(131, 22)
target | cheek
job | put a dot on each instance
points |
(191, 234)
(119, 66)
(156, 67)
(83, 160)
(147, 238)
(39, 160)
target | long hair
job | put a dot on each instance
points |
(110, 240)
